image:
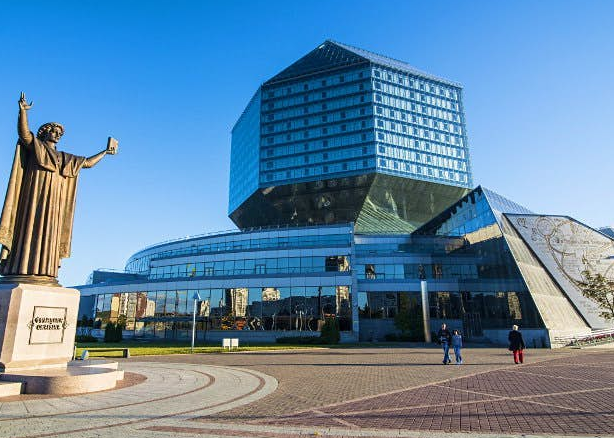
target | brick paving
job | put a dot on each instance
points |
(310, 379)
(561, 396)
(377, 392)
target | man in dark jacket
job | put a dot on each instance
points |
(444, 338)
(516, 344)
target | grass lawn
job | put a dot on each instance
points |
(145, 348)
(157, 348)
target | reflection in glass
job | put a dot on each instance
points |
(163, 314)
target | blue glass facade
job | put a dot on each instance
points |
(244, 154)
(608, 231)
(317, 128)
(350, 177)
(262, 282)
(341, 112)
(420, 128)
(273, 282)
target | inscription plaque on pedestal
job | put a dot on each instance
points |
(39, 326)
(47, 325)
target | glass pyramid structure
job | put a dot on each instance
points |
(548, 254)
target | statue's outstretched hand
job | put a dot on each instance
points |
(23, 103)
(112, 146)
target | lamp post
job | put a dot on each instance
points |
(424, 295)
(195, 297)
(426, 317)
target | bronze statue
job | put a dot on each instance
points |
(37, 216)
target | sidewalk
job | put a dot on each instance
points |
(354, 392)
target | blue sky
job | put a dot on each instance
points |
(169, 79)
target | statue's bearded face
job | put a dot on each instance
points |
(54, 134)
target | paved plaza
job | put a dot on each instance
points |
(336, 392)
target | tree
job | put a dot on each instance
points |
(113, 330)
(601, 290)
(408, 319)
(330, 331)
(110, 332)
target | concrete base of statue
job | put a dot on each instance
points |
(76, 378)
(37, 338)
(37, 326)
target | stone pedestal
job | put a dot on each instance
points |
(37, 338)
(37, 326)
(77, 378)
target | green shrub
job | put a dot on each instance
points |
(113, 332)
(86, 338)
(109, 332)
(85, 322)
(408, 320)
(330, 332)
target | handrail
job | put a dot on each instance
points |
(594, 336)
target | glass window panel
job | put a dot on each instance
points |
(271, 305)
(283, 319)
(203, 307)
(183, 307)
(159, 329)
(249, 265)
(99, 303)
(298, 319)
(115, 307)
(131, 300)
(271, 266)
(228, 267)
(364, 311)
(306, 263)
(171, 303)
(160, 303)
(318, 264)
(254, 309)
(282, 264)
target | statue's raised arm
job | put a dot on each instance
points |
(22, 120)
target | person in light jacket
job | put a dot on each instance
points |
(516, 344)
(457, 344)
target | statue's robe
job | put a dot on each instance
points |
(38, 211)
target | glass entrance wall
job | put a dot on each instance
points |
(473, 279)
(167, 313)
(486, 309)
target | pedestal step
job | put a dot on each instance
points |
(78, 377)
(10, 388)
(95, 363)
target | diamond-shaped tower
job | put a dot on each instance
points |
(346, 135)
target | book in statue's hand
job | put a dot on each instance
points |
(112, 146)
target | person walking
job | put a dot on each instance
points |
(516, 344)
(444, 337)
(457, 344)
